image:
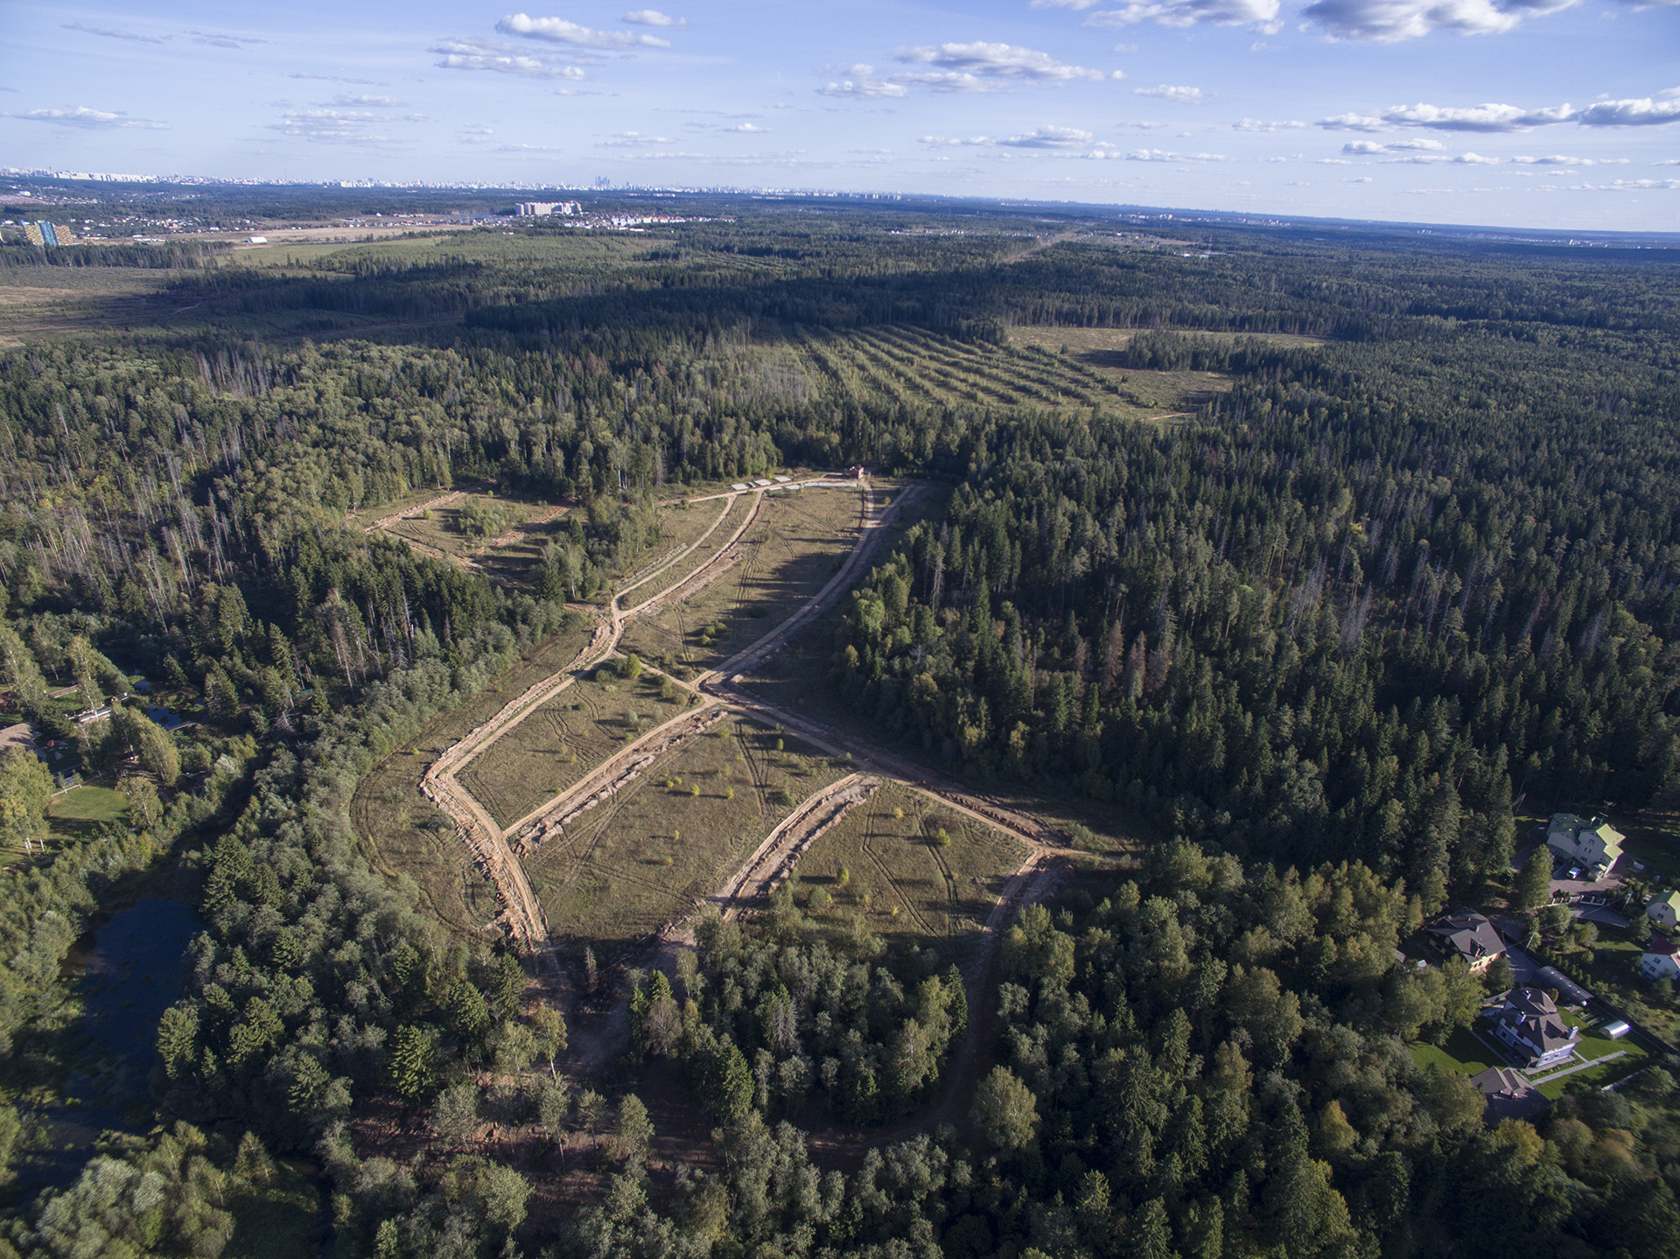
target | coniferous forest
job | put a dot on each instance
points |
(1294, 578)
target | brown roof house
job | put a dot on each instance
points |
(1529, 1025)
(1508, 1095)
(1467, 935)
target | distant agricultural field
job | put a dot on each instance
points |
(910, 866)
(673, 838)
(562, 740)
(794, 546)
(923, 366)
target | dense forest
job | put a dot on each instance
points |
(1329, 634)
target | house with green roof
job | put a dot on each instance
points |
(1664, 911)
(1591, 843)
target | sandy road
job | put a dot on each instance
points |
(777, 855)
(489, 843)
(447, 499)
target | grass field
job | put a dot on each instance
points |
(37, 303)
(888, 860)
(409, 837)
(677, 530)
(674, 837)
(791, 550)
(1463, 1054)
(87, 805)
(562, 740)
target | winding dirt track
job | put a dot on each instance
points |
(493, 847)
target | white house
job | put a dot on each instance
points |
(1661, 960)
(1528, 1024)
(1665, 911)
(1590, 843)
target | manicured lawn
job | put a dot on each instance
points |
(88, 804)
(1463, 1054)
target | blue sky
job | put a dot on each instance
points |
(1548, 113)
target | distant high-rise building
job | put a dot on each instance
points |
(542, 209)
(48, 235)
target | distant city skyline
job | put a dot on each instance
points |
(1541, 113)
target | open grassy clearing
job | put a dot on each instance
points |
(791, 550)
(41, 302)
(447, 528)
(734, 511)
(369, 514)
(909, 866)
(674, 836)
(1142, 394)
(680, 524)
(560, 741)
(440, 245)
(87, 805)
(407, 835)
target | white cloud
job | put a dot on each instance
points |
(1628, 185)
(1559, 159)
(1257, 124)
(1258, 13)
(337, 78)
(1631, 113)
(558, 30)
(112, 32)
(1053, 138)
(1390, 21)
(653, 17)
(1492, 118)
(1368, 148)
(1165, 155)
(220, 39)
(982, 66)
(345, 100)
(1183, 93)
(1049, 138)
(91, 119)
(860, 80)
(631, 140)
(331, 126)
(466, 54)
(747, 129)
